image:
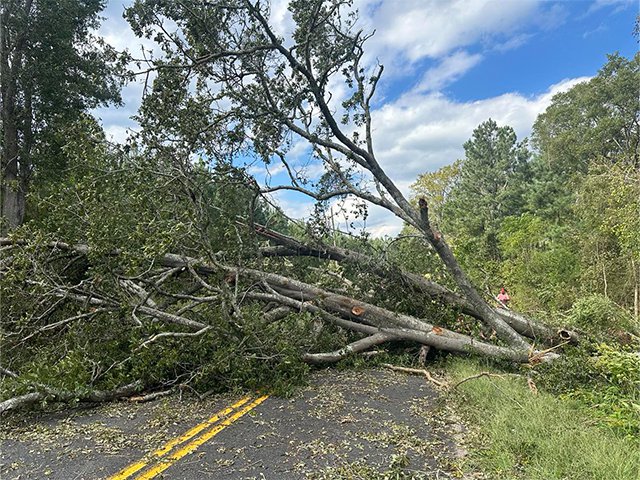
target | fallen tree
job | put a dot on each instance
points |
(380, 324)
(278, 90)
(146, 250)
(172, 297)
(288, 246)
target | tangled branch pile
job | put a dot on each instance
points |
(164, 264)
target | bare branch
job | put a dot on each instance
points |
(355, 347)
(158, 336)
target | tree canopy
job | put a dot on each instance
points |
(490, 187)
(594, 120)
(163, 262)
(53, 68)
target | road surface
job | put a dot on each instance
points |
(344, 425)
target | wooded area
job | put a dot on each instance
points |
(164, 264)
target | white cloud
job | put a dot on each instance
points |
(116, 133)
(258, 170)
(115, 30)
(617, 5)
(423, 131)
(295, 205)
(552, 17)
(512, 43)
(449, 70)
(599, 29)
(416, 29)
(406, 32)
(281, 19)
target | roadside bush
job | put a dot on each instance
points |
(604, 377)
(599, 315)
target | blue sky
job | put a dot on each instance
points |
(577, 48)
(450, 64)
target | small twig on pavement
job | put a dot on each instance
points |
(418, 371)
(149, 396)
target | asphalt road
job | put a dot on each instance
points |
(344, 425)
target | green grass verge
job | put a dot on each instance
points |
(525, 436)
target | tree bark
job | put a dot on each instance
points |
(436, 337)
(12, 203)
(288, 246)
(355, 347)
(489, 316)
(343, 311)
(96, 396)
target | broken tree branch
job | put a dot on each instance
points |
(355, 347)
(418, 371)
(96, 396)
(288, 246)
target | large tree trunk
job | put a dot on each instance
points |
(354, 314)
(176, 307)
(12, 201)
(288, 246)
(147, 298)
(489, 316)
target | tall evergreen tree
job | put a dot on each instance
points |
(52, 68)
(489, 188)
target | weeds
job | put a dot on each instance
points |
(539, 437)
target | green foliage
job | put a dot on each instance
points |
(603, 377)
(608, 222)
(104, 353)
(260, 356)
(561, 226)
(621, 368)
(436, 188)
(540, 264)
(402, 251)
(112, 200)
(593, 121)
(599, 315)
(488, 190)
(140, 206)
(53, 70)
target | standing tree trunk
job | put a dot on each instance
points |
(12, 193)
(12, 188)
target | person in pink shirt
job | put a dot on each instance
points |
(503, 297)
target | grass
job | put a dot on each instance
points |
(519, 435)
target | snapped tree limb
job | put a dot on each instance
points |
(96, 396)
(289, 246)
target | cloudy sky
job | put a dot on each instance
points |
(449, 65)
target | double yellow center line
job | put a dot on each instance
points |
(161, 459)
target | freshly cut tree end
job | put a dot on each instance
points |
(567, 336)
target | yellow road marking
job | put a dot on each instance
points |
(137, 466)
(194, 444)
